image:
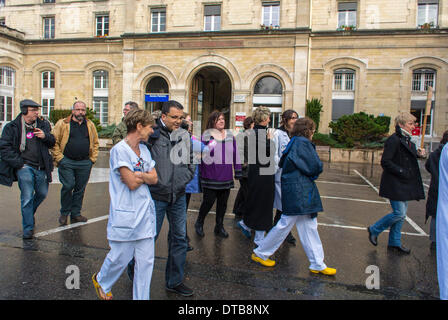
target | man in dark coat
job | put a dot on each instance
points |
(25, 157)
(400, 181)
(432, 166)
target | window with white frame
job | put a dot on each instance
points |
(2, 3)
(102, 25)
(48, 27)
(101, 95)
(344, 80)
(268, 92)
(212, 18)
(7, 81)
(47, 93)
(347, 14)
(428, 11)
(271, 14)
(158, 19)
(422, 79)
(49, 1)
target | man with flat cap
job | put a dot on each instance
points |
(25, 158)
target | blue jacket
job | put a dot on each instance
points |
(301, 166)
(194, 185)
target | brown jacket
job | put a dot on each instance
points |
(61, 132)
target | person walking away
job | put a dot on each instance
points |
(400, 181)
(25, 158)
(75, 152)
(239, 205)
(132, 217)
(281, 140)
(432, 166)
(261, 179)
(121, 131)
(300, 200)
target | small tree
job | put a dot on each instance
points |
(313, 110)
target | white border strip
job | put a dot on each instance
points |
(70, 226)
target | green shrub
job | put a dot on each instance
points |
(313, 110)
(106, 132)
(322, 139)
(359, 129)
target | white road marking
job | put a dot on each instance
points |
(365, 229)
(411, 222)
(70, 226)
(351, 199)
(342, 183)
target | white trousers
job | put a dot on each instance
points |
(309, 237)
(121, 252)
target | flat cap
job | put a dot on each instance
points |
(29, 103)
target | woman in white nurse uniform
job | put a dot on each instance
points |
(132, 219)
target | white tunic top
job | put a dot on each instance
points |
(442, 225)
(281, 140)
(132, 214)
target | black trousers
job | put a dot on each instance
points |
(239, 207)
(208, 199)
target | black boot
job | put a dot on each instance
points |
(290, 239)
(199, 227)
(221, 232)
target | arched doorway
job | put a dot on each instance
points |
(156, 92)
(211, 89)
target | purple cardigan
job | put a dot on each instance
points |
(216, 168)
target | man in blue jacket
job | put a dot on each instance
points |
(25, 158)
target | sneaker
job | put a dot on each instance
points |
(78, 219)
(246, 232)
(63, 220)
(181, 289)
(326, 271)
(266, 263)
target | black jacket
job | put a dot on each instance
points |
(401, 179)
(11, 159)
(432, 166)
(172, 178)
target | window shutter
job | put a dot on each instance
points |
(212, 10)
(347, 6)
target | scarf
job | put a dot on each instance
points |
(23, 137)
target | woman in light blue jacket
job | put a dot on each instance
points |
(300, 200)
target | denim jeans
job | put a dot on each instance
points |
(394, 221)
(74, 176)
(177, 243)
(33, 190)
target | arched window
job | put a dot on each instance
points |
(422, 79)
(157, 91)
(101, 95)
(47, 92)
(268, 92)
(7, 84)
(343, 97)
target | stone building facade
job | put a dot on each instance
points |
(232, 55)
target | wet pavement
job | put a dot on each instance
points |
(221, 269)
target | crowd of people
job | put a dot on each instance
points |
(156, 164)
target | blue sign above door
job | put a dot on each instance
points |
(156, 97)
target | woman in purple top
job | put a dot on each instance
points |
(216, 172)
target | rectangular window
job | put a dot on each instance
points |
(2, 22)
(347, 14)
(49, 1)
(344, 81)
(48, 80)
(158, 20)
(212, 18)
(47, 107)
(5, 108)
(422, 80)
(428, 11)
(102, 25)
(48, 24)
(100, 106)
(100, 80)
(271, 14)
(2, 3)
(6, 76)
